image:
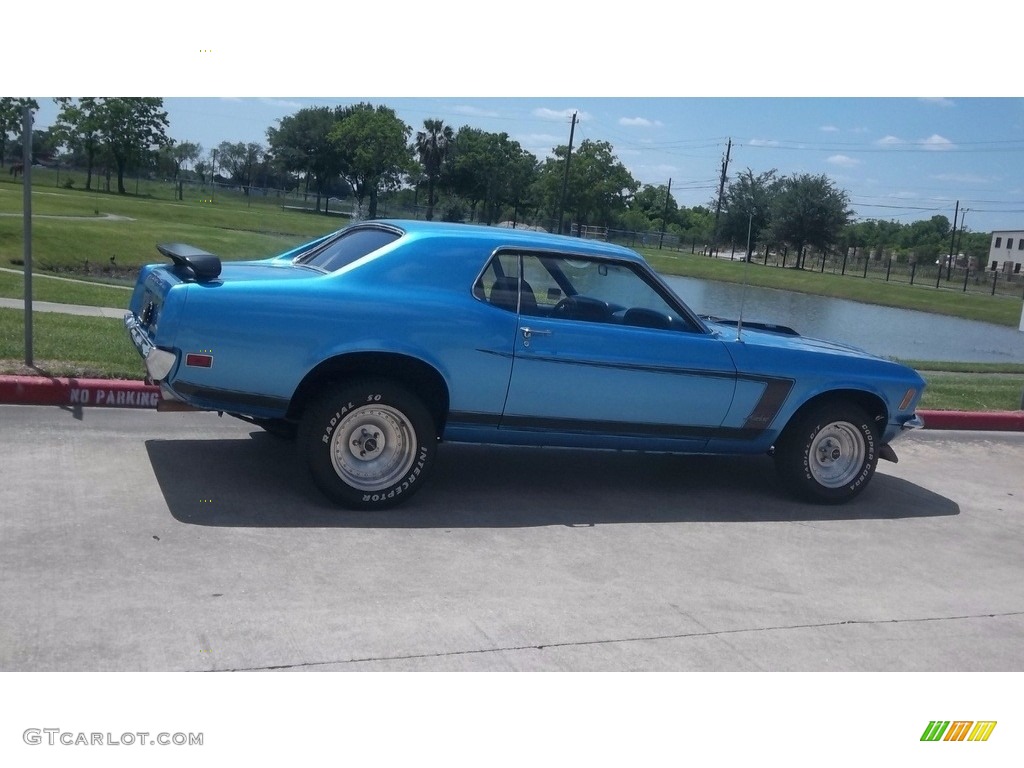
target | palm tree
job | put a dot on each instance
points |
(432, 145)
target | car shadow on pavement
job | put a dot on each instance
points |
(261, 482)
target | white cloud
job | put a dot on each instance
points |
(829, 129)
(937, 142)
(641, 122)
(474, 112)
(282, 103)
(843, 161)
(942, 102)
(559, 114)
(890, 141)
(763, 143)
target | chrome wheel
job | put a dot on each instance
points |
(828, 453)
(836, 455)
(370, 443)
(373, 447)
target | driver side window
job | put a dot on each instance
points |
(598, 291)
(576, 288)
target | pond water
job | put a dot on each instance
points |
(886, 331)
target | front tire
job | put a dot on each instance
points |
(369, 444)
(829, 454)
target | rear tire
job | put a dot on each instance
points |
(369, 444)
(828, 454)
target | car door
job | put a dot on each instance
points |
(605, 357)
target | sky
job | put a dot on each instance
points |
(861, 95)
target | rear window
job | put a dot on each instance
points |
(347, 247)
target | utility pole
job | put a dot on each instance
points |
(664, 215)
(952, 243)
(959, 239)
(721, 190)
(565, 180)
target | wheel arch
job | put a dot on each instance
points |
(871, 403)
(415, 375)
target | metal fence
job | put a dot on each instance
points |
(890, 269)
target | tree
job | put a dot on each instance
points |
(432, 145)
(698, 223)
(490, 171)
(519, 175)
(373, 148)
(748, 204)
(240, 160)
(11, 118)
(78, 125)
(302, 144)
(599, 185)
(808, 210)
(130, 129)
(926, 238)
(178, 154)
(472, 166)
(650, 209)
(45, 144)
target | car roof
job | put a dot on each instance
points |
(495, 237)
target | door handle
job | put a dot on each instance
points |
(529, 333)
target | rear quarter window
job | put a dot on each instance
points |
(347, 247)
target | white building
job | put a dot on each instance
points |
(1006, 250)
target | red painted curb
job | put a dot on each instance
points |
(996, 421)
(104, 393)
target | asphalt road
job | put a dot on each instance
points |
(131, 540)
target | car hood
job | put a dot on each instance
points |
(760, 334)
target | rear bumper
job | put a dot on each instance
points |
(159, 362)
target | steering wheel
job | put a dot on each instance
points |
(564, 307)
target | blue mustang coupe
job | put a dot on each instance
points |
(374, 343)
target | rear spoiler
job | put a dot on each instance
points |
(202, 265)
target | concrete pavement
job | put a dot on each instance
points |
(132, 540)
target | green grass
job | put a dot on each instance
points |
(1000, 310)
(972, 392)
(230, 226)
(960, 367)
(63, 291)
(67, 345)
